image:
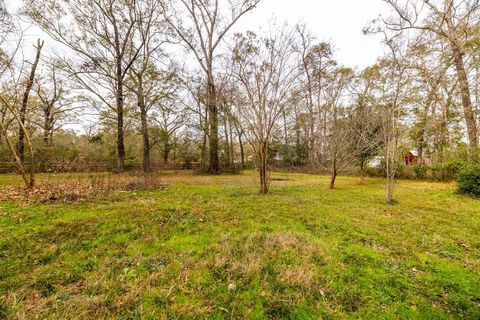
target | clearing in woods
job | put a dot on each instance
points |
(302, 252)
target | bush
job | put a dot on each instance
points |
(420, 171)
(446, 171)
(469, 181)
(453, 168)
(374, 171)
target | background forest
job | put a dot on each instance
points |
(152, 84)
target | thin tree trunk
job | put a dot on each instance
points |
(204, 149)
(144, 123)
(46, 127)
(390, 172)
(18, 161)
(32, 160)
(23, 108)
(175, 149)
(444, 137)
(31, 183)
(298, 145)
(285, 133)
(227, 140)
(390, 151)
(242, 152)
(390, 185)
(333, 176)
(424, 119)
(232, 149)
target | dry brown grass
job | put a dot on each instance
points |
(77, 188)
(250, 255)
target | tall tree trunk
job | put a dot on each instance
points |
(466, 99)
(242, 152)
(240, 144)
(214, 162)
(144, 123)
(391, 145)
(120, 126)
(204, 149)
(311, 136)
(232, 150)
(203, 122)
(424, 119)
(444, 134)
(390, 169)
(227, 140)
(286, 154)
(297, 135)
(23, 108)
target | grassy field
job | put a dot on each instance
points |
(302, 252)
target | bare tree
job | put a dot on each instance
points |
(17, 112)
(266, 71)
(316, 60)
(367, 120)
(201, 26)
(26, 95)
(99, 32)
(341, 139)
(169, 118)
(392, 84)
(56, 104)
(392, 87)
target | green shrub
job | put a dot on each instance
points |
(446, 171)
(374, 171)
(420, 171)
(453, 168)
(469, 181)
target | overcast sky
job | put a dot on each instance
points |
(338, 21)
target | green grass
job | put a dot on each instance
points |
(302, 252)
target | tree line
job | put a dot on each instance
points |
(159, 76)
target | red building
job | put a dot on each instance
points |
(410, 159)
